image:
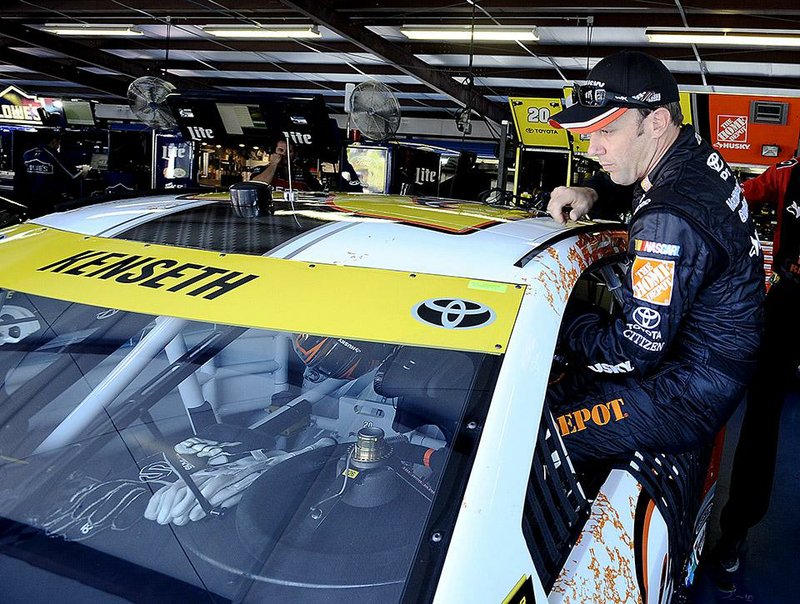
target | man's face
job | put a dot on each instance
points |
(280, 148)
(623, 147)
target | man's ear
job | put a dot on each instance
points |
(660, 119)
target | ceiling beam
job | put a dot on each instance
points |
(317, 84)
(142, 8)
(578, 21)
(663, 52)
(503, 8)
(223, 44)
(323, 13)
(531, 87)
(291, 68)
(480, 70)
(81, 52)
(107, 84)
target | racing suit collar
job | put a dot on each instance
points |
(686, 137)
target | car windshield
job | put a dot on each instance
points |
(156, 458)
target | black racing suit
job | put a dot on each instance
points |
(690, 324)
(754, 462)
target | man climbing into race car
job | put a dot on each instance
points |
(682, 349)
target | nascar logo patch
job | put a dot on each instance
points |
(652, 280)
(656, 247)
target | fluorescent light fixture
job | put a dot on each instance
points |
(87, 29)
(262, 31)
(723, 37)
(465, 32)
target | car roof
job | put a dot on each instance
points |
(363, 267)
(431, 235)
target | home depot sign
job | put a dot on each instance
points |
(740, 139)
(732, 132)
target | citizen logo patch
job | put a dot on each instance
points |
(646, 339)
(599, 415)
(652, 280)
(453, 313)
(656, 247)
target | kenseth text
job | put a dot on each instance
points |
(208, 282)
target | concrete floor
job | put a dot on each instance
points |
(770, 573)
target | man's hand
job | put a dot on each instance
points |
(570, 203)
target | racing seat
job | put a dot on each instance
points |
(237, 380)
(432, 387)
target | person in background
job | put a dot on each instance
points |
(48, 180)
(753, 467)
(468, 182)
(682, 348)
(276, 173)
(348, 179)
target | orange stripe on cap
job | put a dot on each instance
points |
(586, 127)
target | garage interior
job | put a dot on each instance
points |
(451, 67)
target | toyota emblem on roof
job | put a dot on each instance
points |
(453, 313)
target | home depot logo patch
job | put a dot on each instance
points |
(652, 280)
(732, 132)
(599, 415)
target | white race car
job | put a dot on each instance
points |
(324, 399)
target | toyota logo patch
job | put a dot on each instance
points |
(646, 317)
(453, 314)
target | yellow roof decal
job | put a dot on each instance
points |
(447, 215)
(256, 291)
(436, 213)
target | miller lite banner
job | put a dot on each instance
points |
(257, 120)
(754, 130)
(415, 172)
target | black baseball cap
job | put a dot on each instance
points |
(624, 80)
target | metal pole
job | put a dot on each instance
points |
(129, 367)
(502, 170)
